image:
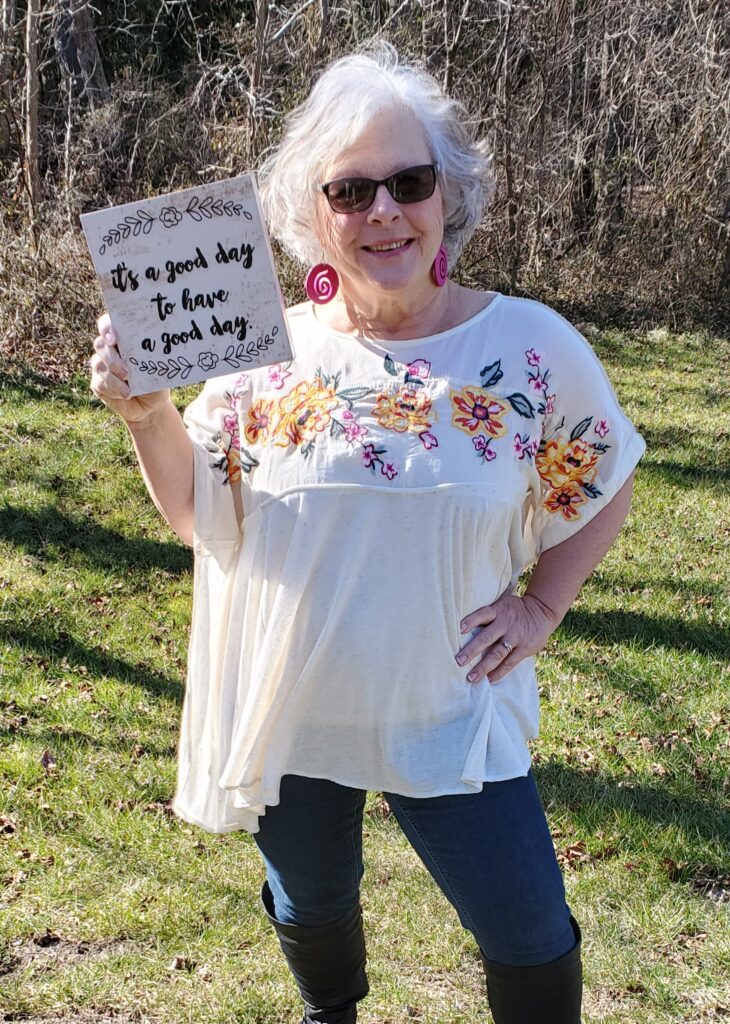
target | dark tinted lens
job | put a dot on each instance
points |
(413, 185)
(348, 195)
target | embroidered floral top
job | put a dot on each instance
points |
(389, 488)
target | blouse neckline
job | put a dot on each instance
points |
(394, 345)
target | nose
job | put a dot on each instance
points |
(384, 210)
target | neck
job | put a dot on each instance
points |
(393, 317)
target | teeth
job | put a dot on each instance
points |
(384, 248)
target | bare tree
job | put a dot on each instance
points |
(32, 172)
(78, 53)
(7, 32)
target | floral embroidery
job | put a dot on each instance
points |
(409, 408)
(259, 419)
(601, 428)
(569, 465)
(371, 459)
(566, 499)
(525, 447)
(305, 412)
(482, 443)
(277, 375)
(478, 411)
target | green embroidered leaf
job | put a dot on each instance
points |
(352, 394)
(307, 449)
(600, 447)
(580, 428)
(248, 462)
(522, 405)
(415, 381)
(491, 374)
(336, 428)
(591, 490)
(390, 366)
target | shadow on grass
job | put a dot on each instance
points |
(647, 630)
(101, 547)
(683, 476)
(35, 387)
(61, 645)
(570, 789)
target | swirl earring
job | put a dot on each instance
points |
(441, 267)
(322, 283)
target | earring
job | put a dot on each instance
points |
(322, 283)
(441, 267)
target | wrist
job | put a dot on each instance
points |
(153, 419)
(539, 605)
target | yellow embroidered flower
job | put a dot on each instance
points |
(566, 500)
(407, 409)
(562, 460)
(259, 420)
(477, 411)
(304, 412)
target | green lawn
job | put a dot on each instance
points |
(112, 909)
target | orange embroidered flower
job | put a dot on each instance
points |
(233, 457)
(304, 412)
(407, 409)
(477, 411)
(561, 461)
(260, 417)
(566, 500)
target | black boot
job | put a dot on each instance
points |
(328, 964)
(546, 994)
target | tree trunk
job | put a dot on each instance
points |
(78, 53)
(32, 173)
(7, 27)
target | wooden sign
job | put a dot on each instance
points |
(190, 285)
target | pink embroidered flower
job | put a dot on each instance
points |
(533, 357)
(369, 455)
(601, 428)
(348, 414)
(549, 403)
(230, 425)
(480, 443)
(519, 446)
(277, 375)
(388, 469)
(419, 368)
(490, 454)
(537, 383)
(428, 440)
(354, 432)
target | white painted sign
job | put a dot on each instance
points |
(189, 283)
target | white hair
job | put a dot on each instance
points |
(343, 101)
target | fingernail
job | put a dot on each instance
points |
(461, 659)
(463, 627)
(472, 676)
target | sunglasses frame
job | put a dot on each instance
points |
(377, 182)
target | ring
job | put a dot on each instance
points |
(508, 646)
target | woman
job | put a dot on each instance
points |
(360, 518)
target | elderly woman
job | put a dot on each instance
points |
(361, 518)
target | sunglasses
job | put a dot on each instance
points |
(353, 195)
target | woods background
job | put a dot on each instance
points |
(609, 121)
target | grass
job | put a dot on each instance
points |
(114, 909)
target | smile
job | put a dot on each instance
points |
(387, 246)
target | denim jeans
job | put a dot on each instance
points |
(490, 853)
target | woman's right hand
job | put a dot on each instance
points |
(109, 379)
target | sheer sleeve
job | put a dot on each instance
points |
(588, 448)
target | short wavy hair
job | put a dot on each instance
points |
(347, 95)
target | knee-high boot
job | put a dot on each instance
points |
(546, 994)
(328, 964)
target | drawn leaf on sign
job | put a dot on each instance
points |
(169, 369)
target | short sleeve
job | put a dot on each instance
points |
(589, 448)
(213, 424)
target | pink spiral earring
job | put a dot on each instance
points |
(322, 283)
(441, 267)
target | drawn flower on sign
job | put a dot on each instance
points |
(170, 216)
(207, 360)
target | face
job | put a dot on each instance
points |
(353, 242)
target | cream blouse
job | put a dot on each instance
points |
(389, 488)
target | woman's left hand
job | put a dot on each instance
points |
(513, 628)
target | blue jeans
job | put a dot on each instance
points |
(490, 853)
